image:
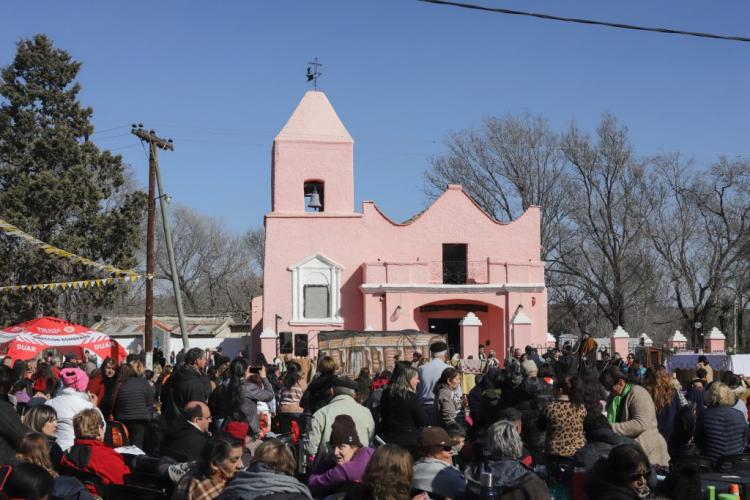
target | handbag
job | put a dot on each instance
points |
(116, 434)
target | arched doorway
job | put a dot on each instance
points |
(444, 317)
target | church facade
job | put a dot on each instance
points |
(451, 270)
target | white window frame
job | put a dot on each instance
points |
(316, 270)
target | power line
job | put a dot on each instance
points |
(549, 17)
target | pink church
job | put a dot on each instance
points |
(451, 269)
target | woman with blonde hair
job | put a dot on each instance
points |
(659, 385)
(33, 449)
(721, 430)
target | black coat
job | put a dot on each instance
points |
(318, 394)
(11, 430)
(401, 419)
(134, 400)
(186, 384)
(184, 441)
(537, 394)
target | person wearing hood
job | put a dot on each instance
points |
(434, 473)
(351, 459)
(187, 383)
(511, 478)
(270, 475)
(189, 434)
(68, 402)
(624, 475)
(600, 440)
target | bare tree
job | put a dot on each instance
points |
(700, 232)
(218, 271)
(605, 257)
(507, 166)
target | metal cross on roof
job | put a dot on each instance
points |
(312, 72)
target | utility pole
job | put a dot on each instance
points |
(155, 142)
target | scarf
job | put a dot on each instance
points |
(615, 404)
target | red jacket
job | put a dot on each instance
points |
(90, 455)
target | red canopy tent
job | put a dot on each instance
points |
(29, 339)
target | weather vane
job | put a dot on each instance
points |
(312, 72)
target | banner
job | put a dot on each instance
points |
(89, 283)
(12, 230)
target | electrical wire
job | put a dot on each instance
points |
(667, 31)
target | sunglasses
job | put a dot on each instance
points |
(639, 475)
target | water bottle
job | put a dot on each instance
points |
(487, 486)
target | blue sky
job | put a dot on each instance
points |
(221, 78)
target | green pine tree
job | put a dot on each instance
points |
(58, 186)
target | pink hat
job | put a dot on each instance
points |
(75, 378)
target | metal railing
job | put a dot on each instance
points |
(458, 272)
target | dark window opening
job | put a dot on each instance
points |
(314, 196)
(454, 263)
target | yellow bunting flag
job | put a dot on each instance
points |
(78, 284)
(12, 230)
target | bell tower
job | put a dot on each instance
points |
(313, 161)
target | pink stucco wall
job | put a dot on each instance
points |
(386, 264)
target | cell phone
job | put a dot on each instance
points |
(255, 369)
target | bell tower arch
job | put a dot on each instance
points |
(313, 161)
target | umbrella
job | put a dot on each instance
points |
(27, 340)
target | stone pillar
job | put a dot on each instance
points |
(470, 336)
(268, 343)
(618, 342)
(715, 341)
(677, 341)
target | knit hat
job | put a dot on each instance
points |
(343, 431)
(75, 378)
(236, 430)
(438, 346)
(529, 368)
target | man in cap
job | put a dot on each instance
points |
(430, 373)
(435, 473)
(343, 403)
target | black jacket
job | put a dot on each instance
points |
(537, 393)
(318, 394)
(401, 419)
(184, 441)
(134, 400)
(11, 430)
(186, 384)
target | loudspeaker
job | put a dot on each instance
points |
(285, 343)
(300, 345)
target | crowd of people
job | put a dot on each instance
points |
(555, 426)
